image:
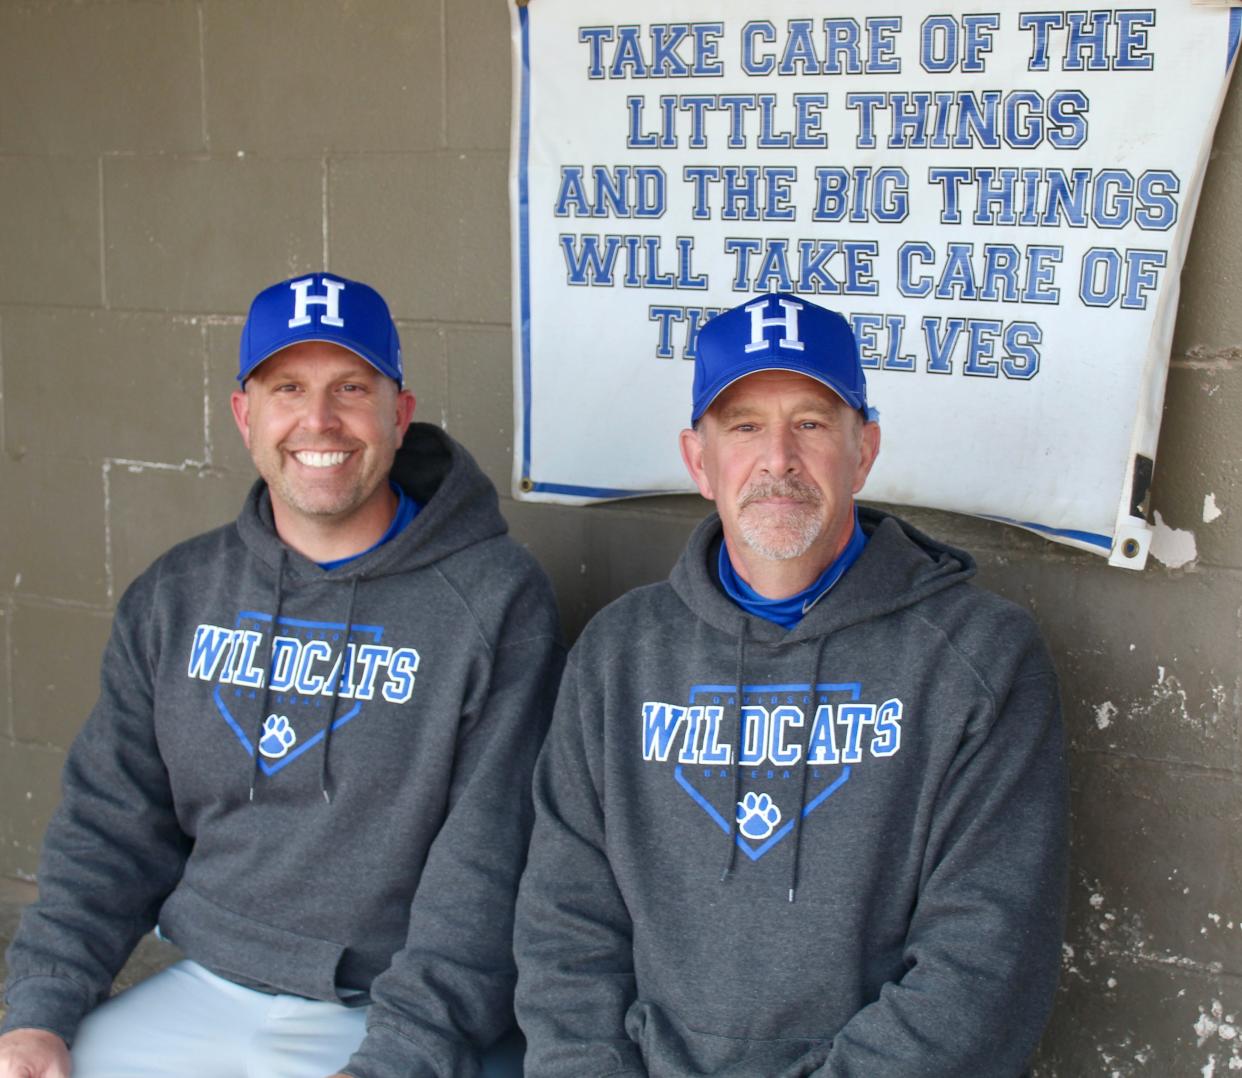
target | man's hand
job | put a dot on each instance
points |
(33, 1053)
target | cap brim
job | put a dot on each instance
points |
(726, 380)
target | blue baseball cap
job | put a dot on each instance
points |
(321, 307)
(778, 332)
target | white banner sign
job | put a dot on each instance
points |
(998, 197)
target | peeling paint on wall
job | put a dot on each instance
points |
(1115, 1059)
(1120, 931)
(1172, 546)
(1104, 714)
(1210, 509)
(1219, 1030)
(1170, 700)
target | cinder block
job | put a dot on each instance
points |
(49, 231)
(14, 894)
(204, 235)
(52, 529)
(426, 372)
(1114, 1016)
(972, 534)
(307, 76)
(1198, 480)
(477, 38)
(1229, 126)
(626, 549)
(683, 506)
(6, 681)
(84, 78)
(228, 451)
(1209, 318)
(1156, 870)
(1148, 661)
(100, 384)
(557, 536)
(30, 779)
(594, 554)
(56, 653)
(480, 399)
(151, 509)
(433, 227)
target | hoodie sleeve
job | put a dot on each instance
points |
(113, 849)
(573, 933)
(983, 949)
(449, 991)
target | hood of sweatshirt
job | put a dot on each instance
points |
(899, 567)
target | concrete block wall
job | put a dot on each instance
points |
(162, 159)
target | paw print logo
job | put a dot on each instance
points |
(757, 817)
(278, 737)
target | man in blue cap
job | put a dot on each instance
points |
(801, 810)
(310, 759)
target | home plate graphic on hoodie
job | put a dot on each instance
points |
(318, 667)
(797, 750)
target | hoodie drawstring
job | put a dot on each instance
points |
(339, 672)
(266, 699)
(807, 724)
(267, 668)
(739, 678)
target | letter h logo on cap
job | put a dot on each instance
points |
(788, 323)
(330, 301)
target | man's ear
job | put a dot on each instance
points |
(868, 450)
(692, 455)
(240, 404)
(405, 412)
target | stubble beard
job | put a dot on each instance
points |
(785, 534)
(321, 504)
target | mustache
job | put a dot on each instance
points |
(788, 487)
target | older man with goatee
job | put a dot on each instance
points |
(802, 809)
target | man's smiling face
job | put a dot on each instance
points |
(322, 426)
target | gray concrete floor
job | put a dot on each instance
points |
(150, 956)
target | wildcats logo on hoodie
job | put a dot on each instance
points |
(839, 731)
(311, 661)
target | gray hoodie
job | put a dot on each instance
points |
(372, 846)
(876, 892)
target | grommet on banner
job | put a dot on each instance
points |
(521, 3)
(1131, 545)
(526, 484)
